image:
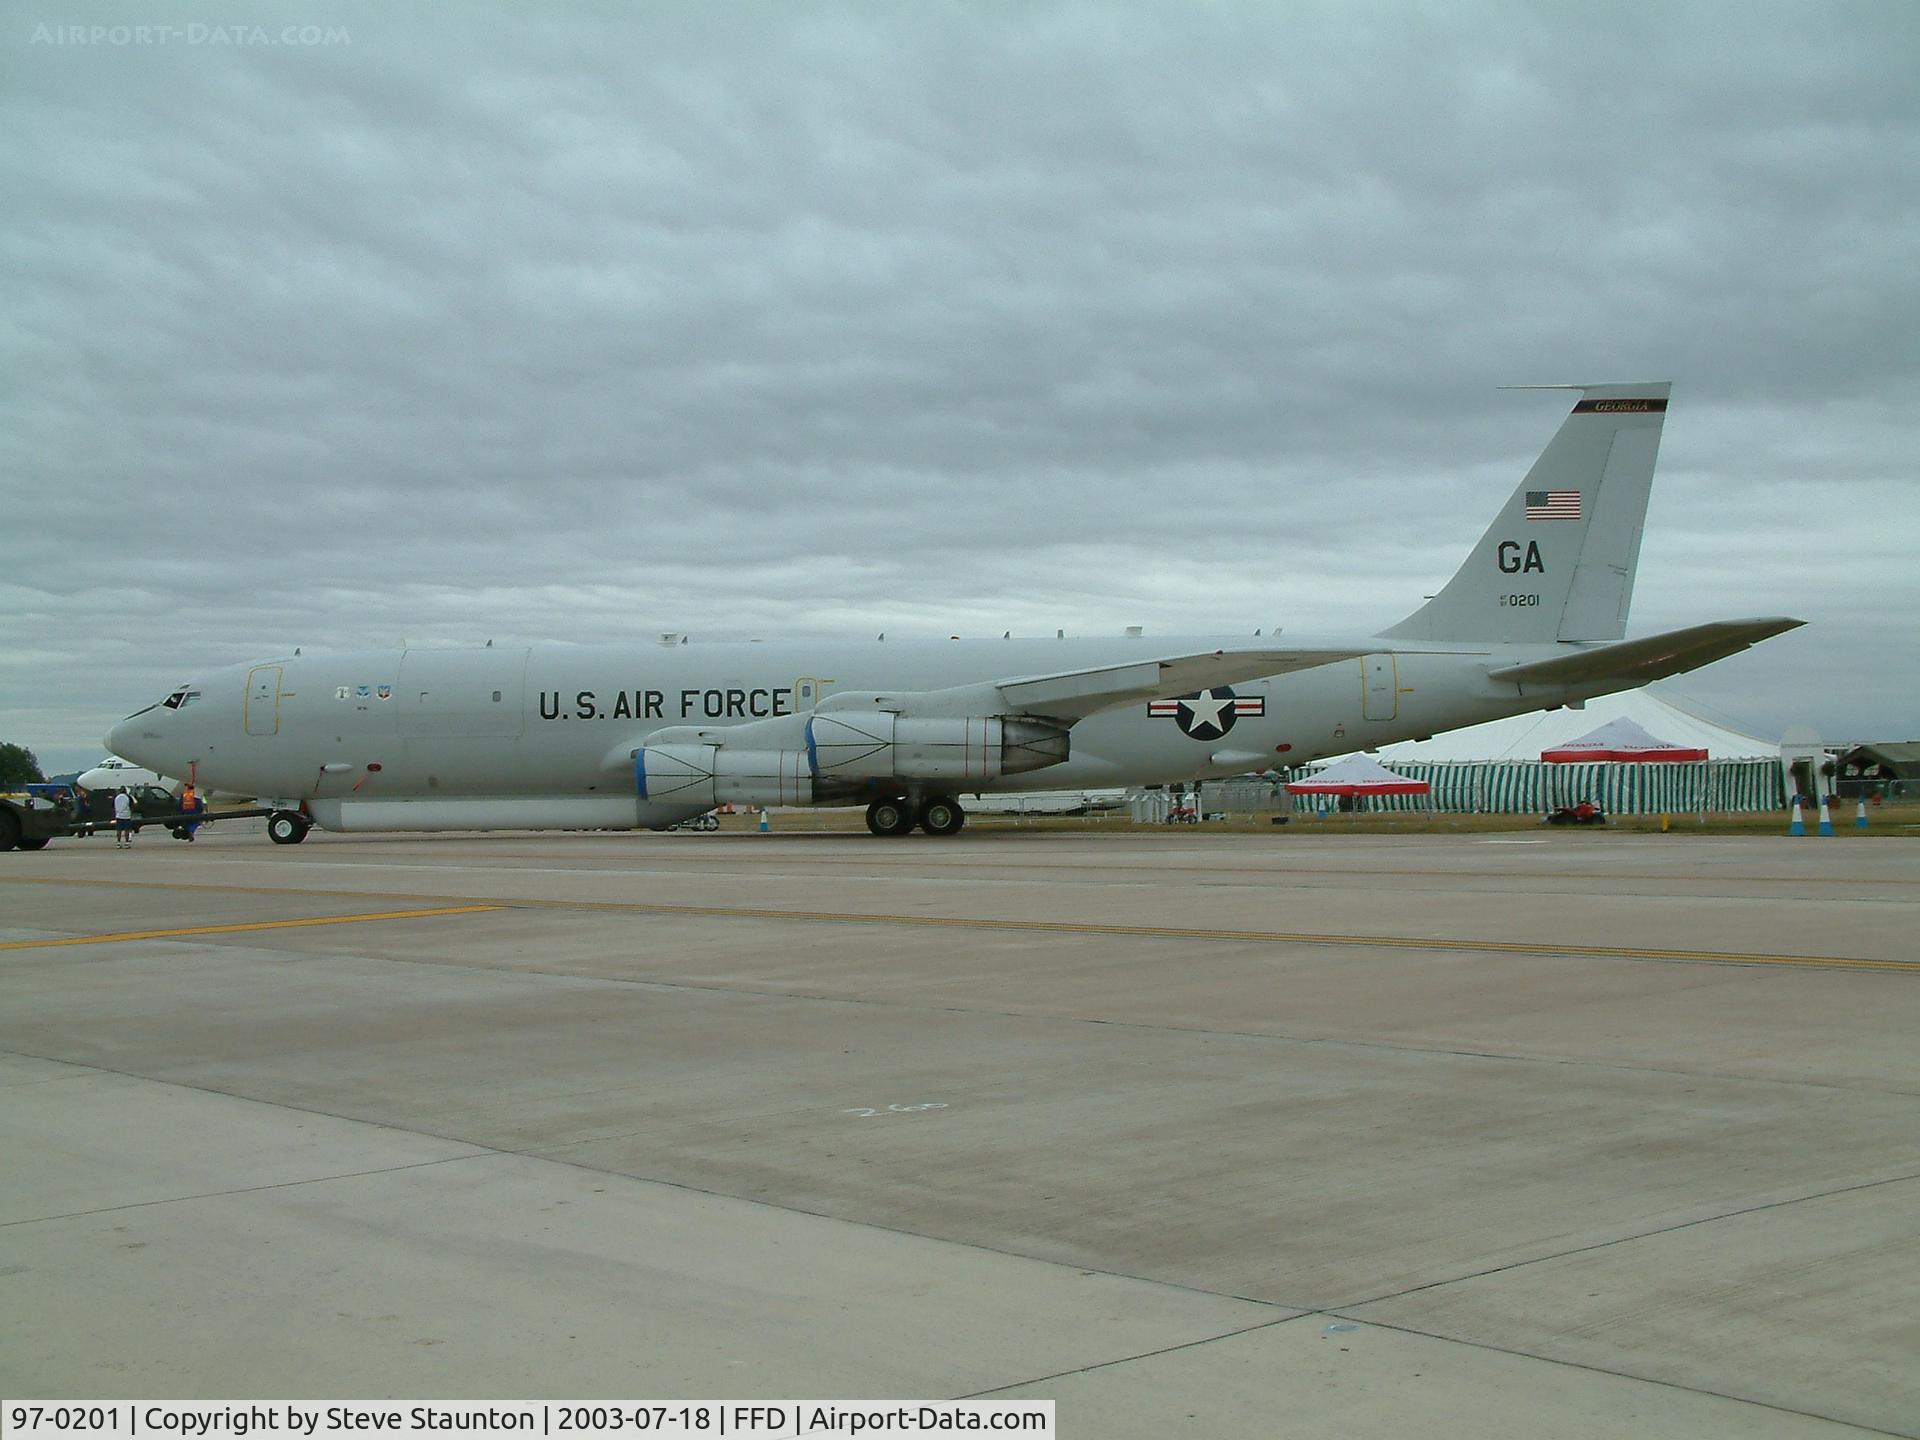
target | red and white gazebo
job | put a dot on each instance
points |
(1358, 775)
(1620, 739)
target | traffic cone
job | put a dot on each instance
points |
(1799, 825)
(764, 826)
(1826, 819)
(1860, 815)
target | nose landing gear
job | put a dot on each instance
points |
(287, 827)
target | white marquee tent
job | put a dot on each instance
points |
(1523, 737)
(1496, 767)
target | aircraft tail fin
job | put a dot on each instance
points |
(1558, 561)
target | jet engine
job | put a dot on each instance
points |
(880, 745)
(707, 775)
(840, 754)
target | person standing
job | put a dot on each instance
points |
(122, 818)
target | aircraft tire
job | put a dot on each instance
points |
(890, 817)
(942, 815)
(286, 828)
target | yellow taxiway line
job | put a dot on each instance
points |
(185, 930)
(977, 922)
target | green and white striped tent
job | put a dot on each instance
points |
(1496, 768)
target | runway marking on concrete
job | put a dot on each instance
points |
(184, 930)
(1271, 937)
(467, 904)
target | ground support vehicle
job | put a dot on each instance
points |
(29, 823)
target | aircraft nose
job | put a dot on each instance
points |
(130, 740)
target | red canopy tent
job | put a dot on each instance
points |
(1619, 739)
(1358, 775)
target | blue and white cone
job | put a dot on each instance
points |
(1826, 817)
(1860, 816)
(1799, 825)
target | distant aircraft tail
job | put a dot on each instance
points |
(1558, 562)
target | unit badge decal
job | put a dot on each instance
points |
(385, 692)
(1207, 714)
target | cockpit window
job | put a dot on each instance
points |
(180, 698)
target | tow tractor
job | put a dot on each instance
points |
(51, 812)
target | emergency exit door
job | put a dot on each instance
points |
(263, 700)
(1380, 700)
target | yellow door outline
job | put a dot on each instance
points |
(262, 707)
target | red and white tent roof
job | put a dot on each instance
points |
(1620, 739)
(1357, 775)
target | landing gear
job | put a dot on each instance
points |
(286, 827)
(891, 817)
(942, 815)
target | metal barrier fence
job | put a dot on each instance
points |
(1518, 787)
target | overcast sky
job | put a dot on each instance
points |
(583, 322)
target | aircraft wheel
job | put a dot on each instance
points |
(286, 828)
(942, 815)
(890, 817)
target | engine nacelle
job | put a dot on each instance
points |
(879, 745)
(836, 755)
(709, 775)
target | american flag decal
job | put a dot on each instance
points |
(1553, 504)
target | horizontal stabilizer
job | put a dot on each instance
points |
(1075, 694)
(1640, 662)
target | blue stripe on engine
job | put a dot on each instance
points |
(640, 771)
(813, 755)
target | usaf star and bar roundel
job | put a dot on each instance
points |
(1207, 714)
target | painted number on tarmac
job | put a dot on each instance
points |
(863, 1111)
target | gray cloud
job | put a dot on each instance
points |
(597, 321)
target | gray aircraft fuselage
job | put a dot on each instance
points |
(343, 729)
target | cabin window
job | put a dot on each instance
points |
(496, 697)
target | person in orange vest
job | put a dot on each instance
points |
(190, 804)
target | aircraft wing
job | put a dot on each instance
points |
(1076, 694)
(1640, 662)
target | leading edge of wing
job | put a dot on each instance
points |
(1079, 693)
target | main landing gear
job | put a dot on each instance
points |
(937, 815)
(287, 827)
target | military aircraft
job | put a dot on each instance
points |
(620, 737)
(113, 772)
